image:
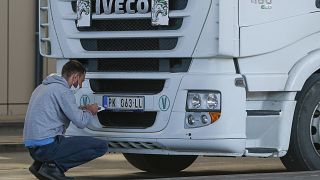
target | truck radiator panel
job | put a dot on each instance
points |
(167, 41)
(172, 65)
(127, 86)
(129, 44)
(123, 120)
(125, 35)
(130, 25)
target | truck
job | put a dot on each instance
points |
(178, 79)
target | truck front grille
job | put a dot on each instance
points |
(136, 120)
(129, 44)
(113, 27)
(127, 86)
(130, 25)
(126, 35)
(172, 65)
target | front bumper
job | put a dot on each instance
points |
(169, 134)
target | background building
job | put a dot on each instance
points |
(17, 55)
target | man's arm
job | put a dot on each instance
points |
(77, 116)
(93, 108)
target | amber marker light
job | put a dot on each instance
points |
(214, 116)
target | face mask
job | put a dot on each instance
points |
(75, 89)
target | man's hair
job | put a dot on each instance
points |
(72, 67)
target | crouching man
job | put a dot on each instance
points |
(51, 108)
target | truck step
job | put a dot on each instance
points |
(11, 144)
(11, 134)
(11, 125)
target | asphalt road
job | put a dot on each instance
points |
(114, 166)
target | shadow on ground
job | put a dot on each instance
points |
(144, 175)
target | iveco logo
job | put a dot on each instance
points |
(122, 6)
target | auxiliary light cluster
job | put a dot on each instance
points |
(203, 108)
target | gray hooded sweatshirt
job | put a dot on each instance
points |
(51, 108)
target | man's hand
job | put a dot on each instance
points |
(93, 108)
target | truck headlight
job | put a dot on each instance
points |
(203, 101)
(212, 101)
(196, 101)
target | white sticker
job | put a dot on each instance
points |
(160, 12)
(83, 13)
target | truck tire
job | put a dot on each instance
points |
(304, 149)
(160, 163)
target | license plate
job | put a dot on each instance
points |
(123, 103)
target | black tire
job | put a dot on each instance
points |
(304, 149)
(160, 163)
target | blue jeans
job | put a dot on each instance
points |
(69, 152)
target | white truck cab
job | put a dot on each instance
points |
(177, 79)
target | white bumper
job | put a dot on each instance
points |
(168, 135)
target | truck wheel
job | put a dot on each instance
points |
(304, 149)
(160, 163)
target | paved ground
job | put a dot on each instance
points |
(114, 166)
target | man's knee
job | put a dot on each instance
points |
(98, 145)
(102, 147)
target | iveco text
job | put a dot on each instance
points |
(122, 6)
